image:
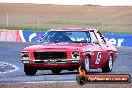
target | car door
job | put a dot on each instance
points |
(98, 48)
(103, 49)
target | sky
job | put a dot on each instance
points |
(74, 2)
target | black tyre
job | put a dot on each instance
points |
(30, 71)
(81, 80)
(56, 71)
(86, 64)
(129, 80)
(109, 65)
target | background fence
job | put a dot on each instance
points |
(9, 20)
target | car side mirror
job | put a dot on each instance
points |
(38, 41)
(96, 42)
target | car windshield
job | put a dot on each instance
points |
(67, 36)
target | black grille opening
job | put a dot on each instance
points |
(50, 55)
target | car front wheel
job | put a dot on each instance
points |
(109, 65)
(81, 80)
(30, 71)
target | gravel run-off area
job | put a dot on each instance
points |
(64, 85)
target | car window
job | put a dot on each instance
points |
(100, 39)
(79, 36)
(67, 36)
(93, 37)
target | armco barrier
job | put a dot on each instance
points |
(33, 36)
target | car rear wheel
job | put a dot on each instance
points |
(109, 65)
(30, 71)
(56, 71)
(86, 64)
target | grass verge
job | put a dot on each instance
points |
(45, 29)
(23, 28)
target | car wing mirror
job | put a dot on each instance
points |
(38, 41)
(96, 42)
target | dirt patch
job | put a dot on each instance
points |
(78, 11)
(63, 85)
(111, 18)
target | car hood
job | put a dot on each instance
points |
(56, 47)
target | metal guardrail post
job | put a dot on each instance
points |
(7, 20)
(38, 22)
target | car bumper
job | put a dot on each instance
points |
(44, 64)
(51, 66)
(52, 61)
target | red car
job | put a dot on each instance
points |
(67, 49)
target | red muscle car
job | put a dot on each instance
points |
(67, 49)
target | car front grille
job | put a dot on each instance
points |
(50, 55)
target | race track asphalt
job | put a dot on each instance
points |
(10, 53)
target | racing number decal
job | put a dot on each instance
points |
(98, 58)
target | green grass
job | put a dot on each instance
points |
(115, 32)
(91, 5)
(23, 28)
(45, 29)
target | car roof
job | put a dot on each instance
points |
(73, 29)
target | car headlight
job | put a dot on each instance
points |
(75, 54)
(25, 55)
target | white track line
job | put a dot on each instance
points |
(48, 82)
